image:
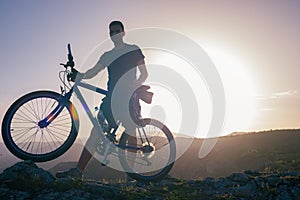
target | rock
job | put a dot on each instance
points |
(284, 195)
(26, 174)
(252, 173)
(225, 182)
(260, 182)
(25, 180)
(209, 180)
(238, 177)
(295, 192)
(6, 193)
(247, 189)
(273, 180)
(291, 174)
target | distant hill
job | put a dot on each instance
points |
(274, 150)
(263, 151)
(7, 159)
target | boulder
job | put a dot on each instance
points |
(26, 174)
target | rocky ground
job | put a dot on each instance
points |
(25, 180)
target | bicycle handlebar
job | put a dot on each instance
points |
(70, 57)
(73, 73)
(70, 62)
(69, 48)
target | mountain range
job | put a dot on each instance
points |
(273, 150)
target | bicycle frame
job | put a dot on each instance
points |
(85, 106)
(65, 98)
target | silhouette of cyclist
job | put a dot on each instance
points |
(122, 62)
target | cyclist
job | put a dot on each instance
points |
(122, 63)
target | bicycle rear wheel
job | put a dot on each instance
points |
(27, 139)
(150, 154)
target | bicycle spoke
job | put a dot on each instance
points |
(42, 114)
(30, 111)
(48, 142)
(55, 135)
(38, 112)
(47, 107)
(21, 134)
(28, 139)
(133, 160)
(58, 129)
(32, 144)
(50, 135)
(23, 121)
(61, 120)
(23, 115)
(34, 110)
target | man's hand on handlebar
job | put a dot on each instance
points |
(75, 75)
(70, 63)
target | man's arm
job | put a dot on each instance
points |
(144, 73)
(93, 71)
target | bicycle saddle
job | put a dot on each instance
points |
(143, 94)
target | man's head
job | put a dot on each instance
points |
(116, 31)
(116, 26)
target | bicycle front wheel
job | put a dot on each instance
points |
(148, 154)
(27, 139)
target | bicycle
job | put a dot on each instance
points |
(42, 125)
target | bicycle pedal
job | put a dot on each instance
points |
(111, 137)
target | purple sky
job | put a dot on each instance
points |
(263, 35)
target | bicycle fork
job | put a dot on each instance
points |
(56, 111)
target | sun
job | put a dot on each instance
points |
(181, 98)
(168, 105)
(239, 85)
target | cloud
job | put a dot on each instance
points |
(277, 95)
(266, 109)
(286, 93)
(283, 94)
(284, 101)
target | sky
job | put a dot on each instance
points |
(253, 44)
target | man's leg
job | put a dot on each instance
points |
(88, 150)
(87, 153)
(92, 142)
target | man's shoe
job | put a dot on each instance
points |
(71, 173)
